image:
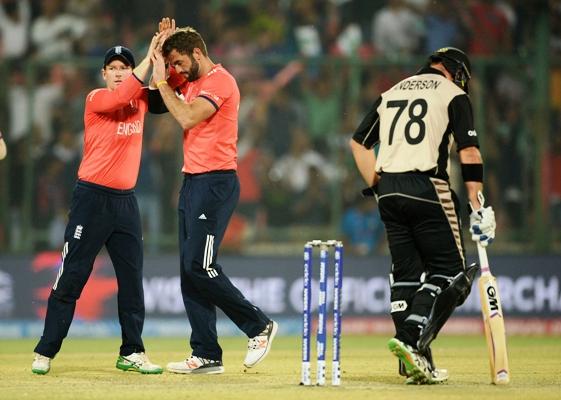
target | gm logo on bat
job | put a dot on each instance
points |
(492, 298)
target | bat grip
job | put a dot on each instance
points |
(483, 260)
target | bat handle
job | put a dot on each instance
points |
(481, 198)
(483, 260)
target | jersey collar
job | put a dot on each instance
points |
(429, 70)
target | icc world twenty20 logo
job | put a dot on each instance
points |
(92, 303)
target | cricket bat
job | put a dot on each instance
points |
(493, 321)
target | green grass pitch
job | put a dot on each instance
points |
(85, 369)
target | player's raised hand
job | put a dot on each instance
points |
(166, 26)
(155, 44)
(158, 67)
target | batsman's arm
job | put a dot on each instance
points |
(472, 172)
(365, 160)
(366, 136)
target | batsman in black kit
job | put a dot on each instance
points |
(415, 124)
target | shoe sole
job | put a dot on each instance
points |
(40, 371)
(432, 381)
(415, 374)
(269, 344)
(127, 368)
(198, 371)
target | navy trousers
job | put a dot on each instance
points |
(98, 216)
(206, 203)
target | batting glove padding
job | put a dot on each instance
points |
(482, 225)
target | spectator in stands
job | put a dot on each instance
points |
(322, 100)
(56, 34)
(47, 98)
(294, 168)
(488, 27)
(15, 17)
(306, 31)
(397, 30)
(442, 27)
(362, 227)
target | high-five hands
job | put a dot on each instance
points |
(158, 67)
(167, 27)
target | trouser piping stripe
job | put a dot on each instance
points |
(432, 288)
(408, 284)
(61, 269)
(417, 318)
(445, 198)
(409, 197)
(207, 260)
(448, 278)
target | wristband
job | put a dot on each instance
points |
(371, 191)
(472, 172)
(160, 83)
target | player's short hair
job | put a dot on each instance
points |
(184, 41)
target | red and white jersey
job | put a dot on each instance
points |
(114, 123)
(212, 144)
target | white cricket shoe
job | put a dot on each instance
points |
(138, 362)
(41, 364)
(258, 347)
(196, 365)
(438, 375)
(417, 367)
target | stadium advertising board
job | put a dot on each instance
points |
(275, 285)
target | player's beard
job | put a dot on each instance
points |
(194, 70)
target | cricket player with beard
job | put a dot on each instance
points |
(206, 107)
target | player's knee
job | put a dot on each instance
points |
(66, 295)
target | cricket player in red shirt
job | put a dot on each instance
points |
(206, 106)
(104, 210)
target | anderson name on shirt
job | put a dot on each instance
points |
(418, 84)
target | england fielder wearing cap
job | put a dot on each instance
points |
(415, 124)
(104, 210)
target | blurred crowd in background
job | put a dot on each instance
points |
(308, 70)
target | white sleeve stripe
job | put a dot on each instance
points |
(371, 129)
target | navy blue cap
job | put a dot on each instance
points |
(121, 52)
